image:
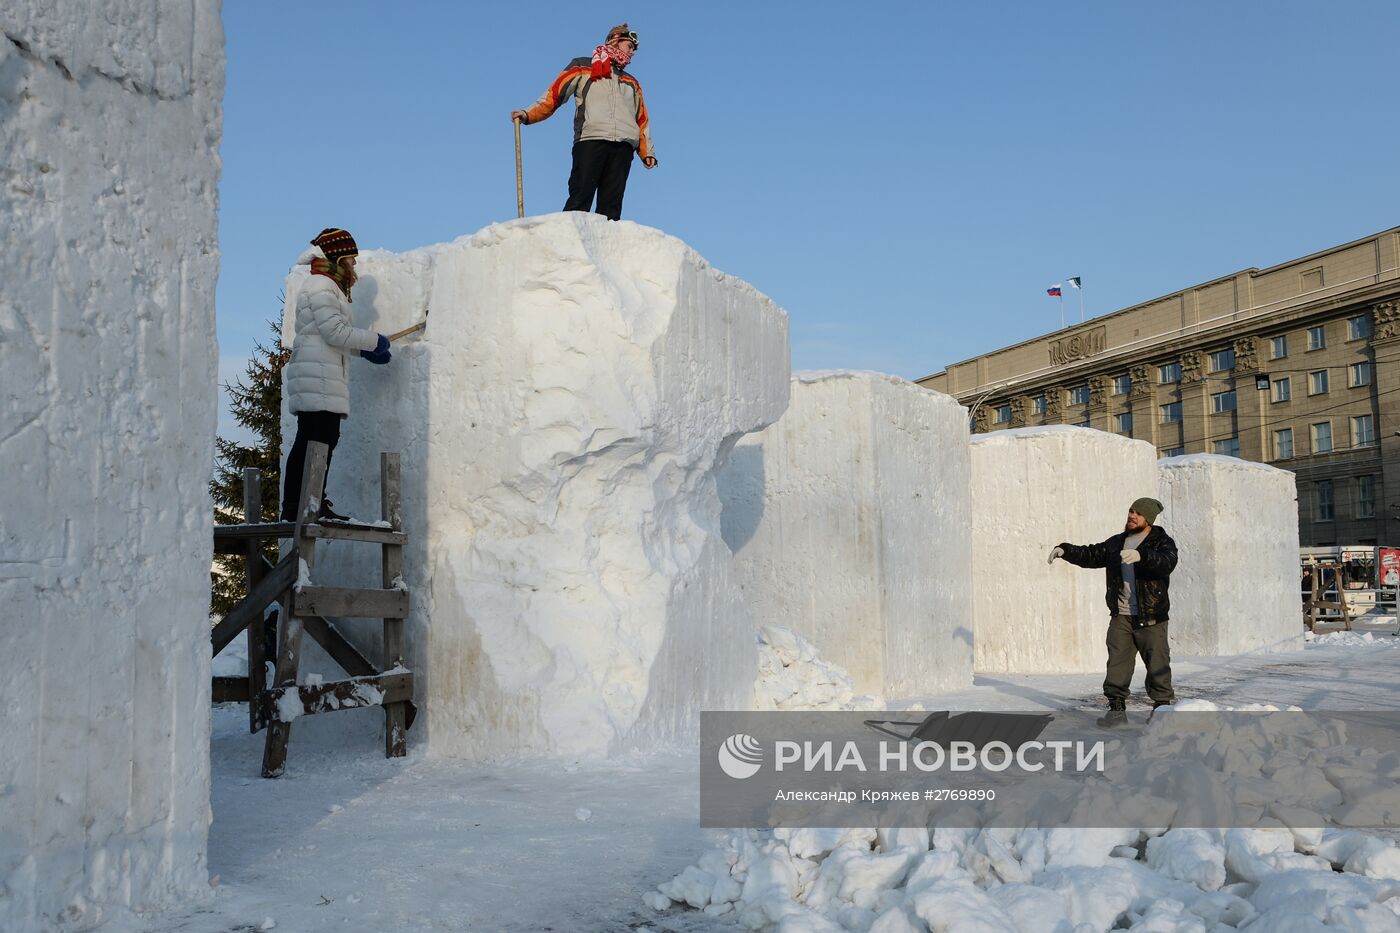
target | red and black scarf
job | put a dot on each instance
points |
(340, 275)
(604, 57)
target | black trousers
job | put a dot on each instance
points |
(600, 167)
(322, 426)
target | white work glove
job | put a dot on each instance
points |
(1057, 552)
(1129, 556)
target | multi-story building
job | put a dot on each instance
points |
(1297, 365)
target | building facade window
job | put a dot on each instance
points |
(1123, 423)
(1363, 431)
(1283, 444)
(1278, 347)
(1317, 337)
(1039, 404)
(1317, 382)
(1359, 327)
(1366, 497)
(1122, 384)
(1222, 360)
(1283, 389)
(1322, 437)
(1079, 395)
(1230, 447)
(1001, 414)
(1168, 373)
(1222, 402)
(1174, 452)
(1171, 413)
(1359, 374)
(1084, 422)
(1325, 511)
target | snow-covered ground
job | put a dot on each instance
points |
(348, 840)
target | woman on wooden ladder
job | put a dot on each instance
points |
(318, 373)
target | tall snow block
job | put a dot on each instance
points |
(109, 121)
(560, 422)
(850, 523)
(1235, 523)
(1031, 489)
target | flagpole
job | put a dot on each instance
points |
(1062, 309)
(1080, 289)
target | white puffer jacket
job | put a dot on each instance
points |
(318, 374)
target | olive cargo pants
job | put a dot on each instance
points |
(1124, 643)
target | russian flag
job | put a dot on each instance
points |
(1054, 291)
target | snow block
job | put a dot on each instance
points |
(1235, 522)
(110, 122)
(559, 422)
(1031, 489)
(850, 524)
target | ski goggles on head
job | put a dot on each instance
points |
(629, 36)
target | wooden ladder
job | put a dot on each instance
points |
(311, 610)
(1322, 609)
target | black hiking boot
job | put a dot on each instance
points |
(1117, 715)
(1156, 705)
(328, 514)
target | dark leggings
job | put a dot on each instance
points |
(322, 426)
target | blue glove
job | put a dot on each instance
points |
(380, 354)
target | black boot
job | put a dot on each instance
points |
(328, 514)
(1117, 715)
(1158, 704)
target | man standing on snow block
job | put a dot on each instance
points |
(610, 122)
(1138, 563)
(318, 373)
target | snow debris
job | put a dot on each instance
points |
(791, 676)
(583, 814)
(1294, 870)
(1193, 855)
(1351, 640)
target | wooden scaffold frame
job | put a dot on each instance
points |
(308, 609)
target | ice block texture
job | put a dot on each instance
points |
(1235, 523)
(850, 521)
(1031, 489)
(560, 421)
(110, 118)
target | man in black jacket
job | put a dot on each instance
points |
(1138, 563)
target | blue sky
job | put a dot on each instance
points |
(904, 179)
